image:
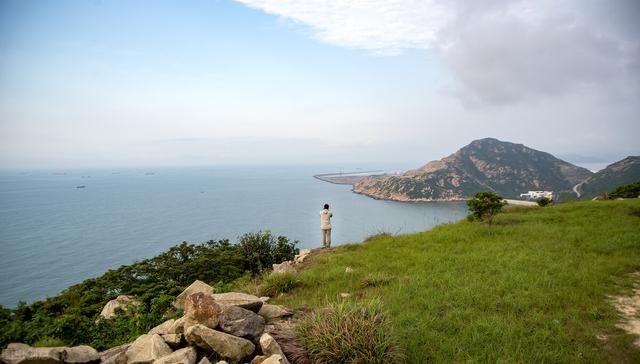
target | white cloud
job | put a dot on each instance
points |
(497, 51)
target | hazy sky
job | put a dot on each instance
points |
(149, 83)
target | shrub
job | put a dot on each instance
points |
(276, 283)
(544, 201)
(485, 205)
(626, 191)
(347, 332)
(49, 341)
(262, 249)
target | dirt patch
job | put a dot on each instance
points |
(629, 308)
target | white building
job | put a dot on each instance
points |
(536, 195)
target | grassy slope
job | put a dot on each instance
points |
(531, 288)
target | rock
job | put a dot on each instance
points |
(204, 360)
(24, 354)
(109, 310)
(147, 348)
(163, 328)
(270, 347)
(265, 299)
(243, 300)
(345, 295)
(79, 354)
(284, 267)
(258, 359)
(272, 312)
(203, 308)
(183, 356)
(241, 322)
(225, 345)
(197, 286)
(275, 359)
(348, 270)
(115, 355)
(180, 325)
(300, 258)
(222, 362)
(173, 340)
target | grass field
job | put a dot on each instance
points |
(535, 287)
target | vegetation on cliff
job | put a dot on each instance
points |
(622, 172)
(71, 317)
(534, 287)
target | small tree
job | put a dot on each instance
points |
(485, 205)
(544, 201)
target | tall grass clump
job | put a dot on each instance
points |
(349, 332)
(275, 283)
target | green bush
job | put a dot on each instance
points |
(276, 283)
(544, 201)
(48, 341)
(626, 191)
(261, 250)
(485, 205)
(347, 332)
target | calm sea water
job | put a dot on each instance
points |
(53, 234)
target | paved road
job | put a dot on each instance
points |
(576, 189)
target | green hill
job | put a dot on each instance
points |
(534, 287)
(620, 173)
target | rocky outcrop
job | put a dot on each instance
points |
(163, 328)
(115, 355)
(195, 287)
(484, 165)
(240, 322)
(120, 302)
(274, 312)
(147, 348)
(203, 308)
(213, 341)
(247, 301)
(24, 354)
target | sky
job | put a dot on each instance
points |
(92, 84)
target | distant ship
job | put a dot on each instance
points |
(81, 186)
(149, 173)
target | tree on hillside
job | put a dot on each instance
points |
(626, 191)
(485, 205)
(544, 201)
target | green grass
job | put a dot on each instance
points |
(533, 287)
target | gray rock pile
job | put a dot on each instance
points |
(214, 328)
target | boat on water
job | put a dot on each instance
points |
(81, 186)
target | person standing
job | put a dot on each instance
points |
(325, 226)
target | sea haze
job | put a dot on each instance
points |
(54, 234)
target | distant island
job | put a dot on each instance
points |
(489, 164)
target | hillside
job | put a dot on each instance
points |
(486, 164)
(535, 287)
(620, 173)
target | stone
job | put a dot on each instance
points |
(275, 359)
(225, 345)
(241, 322)
(250, 302)
(258, 359)
(203, 308)
(115, 355)
(147, 348)
(222, 362)
(79, 354)
(180, 325)
(183, 356)
(163, 328)
(24, 354)
(300, 257)
(270, 347)
(196, 286)
(345, 295)
(272, 312)
(348, 270)
(265, 299)
(173, 340)
(284, 267)
(204, 360)
(122, 301)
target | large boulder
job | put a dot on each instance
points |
(275, 359)
(250, 302)
(24, 354)
(241, 322)
(173, 340)
(187, 355)
(284, 267)
(122, 301)
(225, 345)
(163, 328)
(203, 308)
(115, 355)
(195, 287)
(147, 348)
(270, 347)
(273, 312)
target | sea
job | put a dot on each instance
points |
(60, 227)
